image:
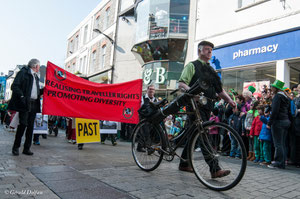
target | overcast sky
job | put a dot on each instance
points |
(38, 29)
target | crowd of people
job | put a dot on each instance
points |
(268, 124)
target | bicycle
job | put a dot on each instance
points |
(150, 143)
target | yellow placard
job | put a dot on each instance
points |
(87, 130)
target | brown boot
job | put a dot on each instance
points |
(249, 156)
(253, 157)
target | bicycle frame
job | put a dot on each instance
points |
(185, 132)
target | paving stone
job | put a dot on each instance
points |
(59, 175)
(50, 169)
(59, 166)
(93, 193)
(292, 194)
(7, 186)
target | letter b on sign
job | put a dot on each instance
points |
(160, 75)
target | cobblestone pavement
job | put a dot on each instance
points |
(58, 170)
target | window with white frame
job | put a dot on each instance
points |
(93, 61)
(103, 55)
(106, 18)
(76, 43)
(246, 3)
(96, 26)
(97, 22)
(80, 65)
(71, 47)
(85, 34)
(84, 65)
(74, 67)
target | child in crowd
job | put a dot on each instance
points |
(254, 133)
(248, 123)
(214, 132)
(169, 124)
(235, 121)
(175, 128)
(265, 137)
(240, 100)
(248, 99)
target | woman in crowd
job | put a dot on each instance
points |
(280, 123)
(296, 132)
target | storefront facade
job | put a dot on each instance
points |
(267, 58)
(255, 41)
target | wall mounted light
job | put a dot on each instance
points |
(100, 32)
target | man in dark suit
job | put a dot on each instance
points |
(26, 100)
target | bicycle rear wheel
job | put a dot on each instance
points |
(146, 146)
(208, 162)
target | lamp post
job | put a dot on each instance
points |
(113, 43)
(100, 32)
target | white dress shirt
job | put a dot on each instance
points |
(34, 87)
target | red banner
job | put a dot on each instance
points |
(67, 95)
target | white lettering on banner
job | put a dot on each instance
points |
(253, 51)
(160, 78)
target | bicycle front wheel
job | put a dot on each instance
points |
(146, 145)
(212, 167)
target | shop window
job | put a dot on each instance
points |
(294, 73)
(142, 17)
(159, 19)
(167, 49)
(237, 78)
(179, 17)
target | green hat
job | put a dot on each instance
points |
(252, 89)
(278, 84)
(233, 91)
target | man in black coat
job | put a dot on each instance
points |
(26, 100)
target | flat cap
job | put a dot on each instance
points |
(206, 43)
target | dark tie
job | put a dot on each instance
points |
(37, 84)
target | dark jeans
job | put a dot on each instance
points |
(26, 123)
(279, 134)
(2, 116)
(212, 162)
(145, 138)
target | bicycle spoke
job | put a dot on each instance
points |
(146, 145)
(207, 171)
